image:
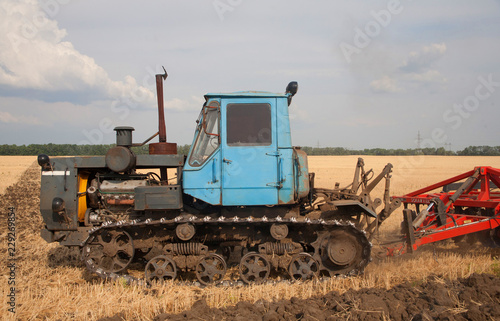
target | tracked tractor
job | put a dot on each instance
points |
(242, 197)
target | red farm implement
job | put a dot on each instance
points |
(468, 203)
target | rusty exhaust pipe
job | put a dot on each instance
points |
(162, 148)
(162, 130)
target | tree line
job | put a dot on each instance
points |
(468, 151)
(73, 149)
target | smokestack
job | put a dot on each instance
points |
(162, 148)
(161, 110)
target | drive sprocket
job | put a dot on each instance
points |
(110, 250)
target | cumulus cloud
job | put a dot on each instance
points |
(6, 117)
(430, 76)
(424, 59)
(417, 69)
(177, 104)
(385, 84)
(34, 55)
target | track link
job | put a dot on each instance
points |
(340, 248)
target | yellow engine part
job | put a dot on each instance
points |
(82, 196)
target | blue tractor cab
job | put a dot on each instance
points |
(242, 153)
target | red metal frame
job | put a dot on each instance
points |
(453, 224)
(470, 198)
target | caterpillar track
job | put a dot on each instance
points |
(300, 248)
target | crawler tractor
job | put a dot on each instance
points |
(242, 197)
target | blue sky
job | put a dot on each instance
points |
(371, 74)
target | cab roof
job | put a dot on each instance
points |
(263, 94)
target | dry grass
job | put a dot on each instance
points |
(11, 168)
(52, 284)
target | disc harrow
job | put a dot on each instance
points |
(467, 205)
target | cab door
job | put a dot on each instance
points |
(201, 176)
(250, 170)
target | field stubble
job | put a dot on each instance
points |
(53, 284)
(11, 168)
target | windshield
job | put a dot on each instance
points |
(207, 140)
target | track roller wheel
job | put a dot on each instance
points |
(254, 268)
(111, 251)
(211, 269)
(303, 267)
(160, 268)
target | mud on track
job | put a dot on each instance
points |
(474, 298)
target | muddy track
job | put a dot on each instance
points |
(473, 298)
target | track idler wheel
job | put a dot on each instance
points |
(342, 251)
(111, 251)
(254, 268)
(211, 269)
(160, 268)
(303, 267)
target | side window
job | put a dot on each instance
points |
(207, 140)
(249, 125)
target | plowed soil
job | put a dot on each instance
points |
(474, 298)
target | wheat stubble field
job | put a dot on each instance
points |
(11, 168)
(446, 280)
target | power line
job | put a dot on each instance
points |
(419, 142)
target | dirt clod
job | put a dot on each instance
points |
(472, 298)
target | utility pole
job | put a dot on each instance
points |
(449, 146)
(419, 142)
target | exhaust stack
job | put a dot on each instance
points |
(162, 147)
(162, 130)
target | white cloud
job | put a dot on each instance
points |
(430, 76)
(385, 84)
(416, 69)
(298, 112)
(6, 117)
(34, 55)
(423, 59)
(178, 104)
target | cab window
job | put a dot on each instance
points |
(207, 140)
(249, 125)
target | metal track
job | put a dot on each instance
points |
(360, 236)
